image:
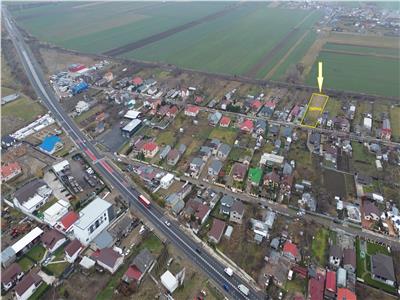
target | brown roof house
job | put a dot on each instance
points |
(371, 212)
(216, 231)
(349, 260)
(52, 240)
(10, 276)
(238, 171)
(72, 250)
(237, 212)
(382, 268)
(27, 286)
(109, 259)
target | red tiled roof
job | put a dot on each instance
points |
(108, 257)
(133, 273)
(256, 104)
(73, 247)
(345, 294)
(270, 104)
(192, 109)
(150, 146)
(9, 168)
(76, 68)
(172, 110)
(330, 284)
(69, 219)
(137, 81)
(199, 99)
(290, 248)
(225, 121)
(316, 288)
(247, 125)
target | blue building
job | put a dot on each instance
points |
(51, 144)
(79, 88)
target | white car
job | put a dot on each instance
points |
(168, 223)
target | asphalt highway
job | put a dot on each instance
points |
(212, 267)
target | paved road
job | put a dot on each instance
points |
(212, 267)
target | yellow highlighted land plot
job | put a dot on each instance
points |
(314, 110)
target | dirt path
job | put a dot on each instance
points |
(265, 60)
(273, 70)
(360, 53)
(167, 33)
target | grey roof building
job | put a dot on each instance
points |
(143, 260)
(164, 152)
(226, 204)
(223, 151)
(382, 268)
(103, 240)
(214, 167)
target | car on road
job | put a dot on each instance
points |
(168, 223)
(198, 250)
(225, 286)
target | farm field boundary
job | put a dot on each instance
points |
(162, 35)
(360, 53)
(314, 110)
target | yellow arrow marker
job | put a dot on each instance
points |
(320, 79)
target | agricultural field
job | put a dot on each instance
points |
(359, 68)
(251, 31)
(100, 26)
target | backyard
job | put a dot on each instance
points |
(319, 246)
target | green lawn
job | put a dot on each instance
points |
(373, 248)
(57, 268)
(319, 246)
(366, 74)
(226, 135)
(153, 243)
(395, 121)
(100, 27)
(36, 253)
(25, 263)
(362, 49)
(38, 294)
(360, 152)
(22, 108)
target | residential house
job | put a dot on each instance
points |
(290, 251)
(261, 126)
(382, 268)
(202, 213)
(238, 171)
(349, 260)
(27, 286)
(223, 151)
(31, 196)
(341, 123)
(330, 283)
(10, 276)
(286, 184)
(191, 207)
(214, 118)
(225, 121)
(173, 157)
(192, 111)
(150, 149)
(386, 131)
(166, 181)
(172, 112)
(371, 212)
(109, 259)
(214, 168)
(137, 81)
(52, 240)
(205, 152)
(196, 166)
(162, 110)
(93, 219)
(216, 231)
(140, 265)
(247, 126)
(316, 287)
(67, 221)
(72, 250)
(10, 171)
(335, 256)
(272, 179)
(164, 151)
(345, 294)
(270, 159)
(237, 212)
(341, 277)
(226, 204)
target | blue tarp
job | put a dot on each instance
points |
(49, 143)
(80, 87)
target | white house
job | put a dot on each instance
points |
(81, 107)
(27, 286)
(93, 219)
(55, 212)
(169, 281)
(31, 196)
(110, 260)
(52, 240)
(72, 250)
(166, 181)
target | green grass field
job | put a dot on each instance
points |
(22, 108)
(395, 121)
(230, 44)
(319, 246)
(366, 74)
(100, 27)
